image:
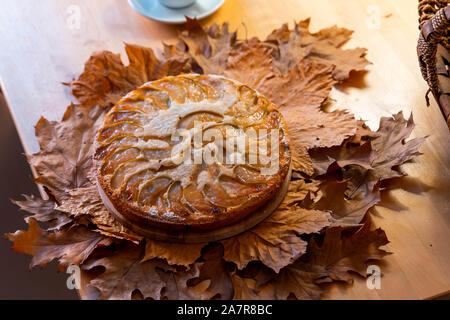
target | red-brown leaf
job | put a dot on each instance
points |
(106, 79)
(275, 241)
(71, 246)
(324, 46)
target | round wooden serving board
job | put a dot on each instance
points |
(190, 236)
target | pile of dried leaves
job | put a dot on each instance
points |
(318, 234)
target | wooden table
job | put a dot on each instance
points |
(41, 47)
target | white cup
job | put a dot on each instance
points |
(176, 4)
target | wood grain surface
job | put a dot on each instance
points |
(41, 48)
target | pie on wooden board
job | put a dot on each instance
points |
(167, 154)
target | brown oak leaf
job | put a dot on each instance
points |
(180, 254)
(324, 46)
(275, 241)
(215, 272)
(391, 146)
(44, 211)
(244, 288)
(125, 273)
(69, 246)
(345, 212)
(341, 251)
(177, 284)
(390, 150)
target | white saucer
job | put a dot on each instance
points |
(153, 9)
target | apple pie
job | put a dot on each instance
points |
(193, 152)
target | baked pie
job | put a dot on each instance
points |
(195, 152)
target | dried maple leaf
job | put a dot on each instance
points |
(301, 161)
(125, 273)
(145, 66)
(44, 211)
(345, 61)
(65, 158)
(177, 49)
(304, 87)
(275, 241)
(87, 203)
(174, 253)
(297, 280)
(345, 212)
(209, 48)
(83, 201)
(319, 129)
(299, 94)
(376, 159)
(297, 191)
(250, 63)
(315, 129)
(70, 246)
(324, 46)
(100, 77)
(106, 79)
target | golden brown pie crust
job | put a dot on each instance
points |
(134, 152)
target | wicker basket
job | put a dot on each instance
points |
(433, 50)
